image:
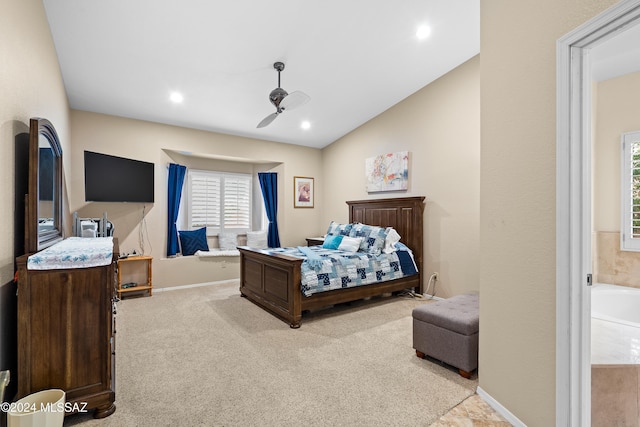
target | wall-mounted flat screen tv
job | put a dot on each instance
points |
(117, 179)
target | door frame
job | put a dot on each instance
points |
(573, 208)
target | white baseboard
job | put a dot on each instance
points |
(195, 285)
(499, 408)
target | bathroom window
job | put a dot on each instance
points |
(630, 221)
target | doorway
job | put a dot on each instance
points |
(573, 218)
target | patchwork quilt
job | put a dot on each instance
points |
(329, 269)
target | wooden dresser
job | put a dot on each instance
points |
(66, 327)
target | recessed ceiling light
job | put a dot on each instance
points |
(176, 97)
(423, 32)
(305, 125)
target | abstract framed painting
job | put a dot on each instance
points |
(387, 172)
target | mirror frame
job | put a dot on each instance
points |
(35, 239)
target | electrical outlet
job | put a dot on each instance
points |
(435, 275)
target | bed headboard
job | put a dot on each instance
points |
(404, 214)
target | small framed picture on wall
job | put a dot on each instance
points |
(302, 192)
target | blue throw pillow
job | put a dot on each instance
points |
(332, 242)
(193, 241)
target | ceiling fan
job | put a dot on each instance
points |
(282, 99)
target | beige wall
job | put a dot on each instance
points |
(30, 86)
(440, 127)
(517, 203)
(153, 142)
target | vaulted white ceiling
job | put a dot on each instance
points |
(354, 58)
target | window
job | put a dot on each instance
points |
(630, 222)
(219, 201)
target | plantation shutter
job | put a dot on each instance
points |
(205, 200)
(219, 201)
(237, 202)
(630, 222)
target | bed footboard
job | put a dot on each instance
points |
(272, 282)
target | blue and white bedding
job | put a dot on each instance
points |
(74, 252)
(329, 269)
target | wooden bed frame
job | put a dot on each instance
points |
(273, 281)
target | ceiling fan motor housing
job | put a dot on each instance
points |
(277, 95)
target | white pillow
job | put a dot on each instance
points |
(227, 241)
(390, 242)
(257, 239)
(350, 244)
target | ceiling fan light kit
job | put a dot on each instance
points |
(283, 100)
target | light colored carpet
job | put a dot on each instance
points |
(206, 356)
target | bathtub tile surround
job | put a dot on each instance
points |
(614, 395)
(611, 265)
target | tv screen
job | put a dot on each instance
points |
(116, 179)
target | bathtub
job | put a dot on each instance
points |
(618, 304)
(615, 325)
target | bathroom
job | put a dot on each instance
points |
(615, 342)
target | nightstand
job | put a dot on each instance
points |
(315, 241)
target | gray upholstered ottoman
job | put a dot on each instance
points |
(447, 330)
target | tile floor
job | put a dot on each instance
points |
(472, 412)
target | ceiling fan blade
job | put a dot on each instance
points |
(294, 100)
(271, 117)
